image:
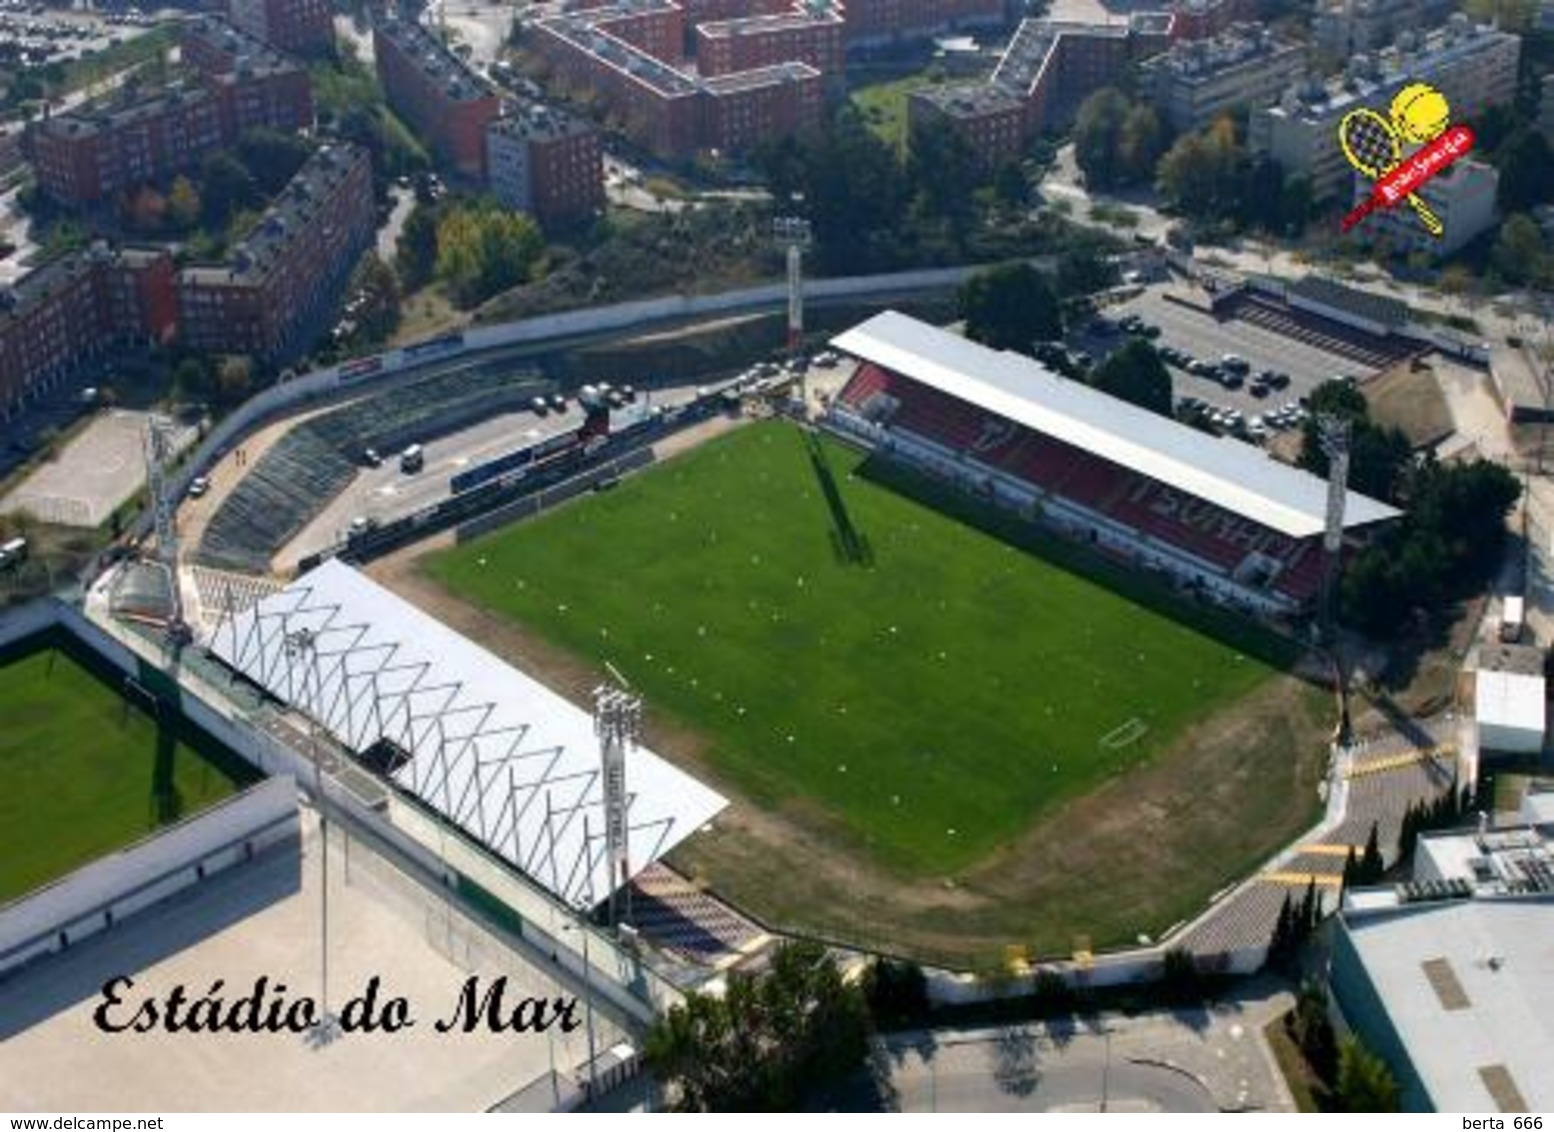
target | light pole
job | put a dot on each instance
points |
(302, 643)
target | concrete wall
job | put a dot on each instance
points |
(98, 894)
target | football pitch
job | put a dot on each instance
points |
(85, 770)
(932, 689)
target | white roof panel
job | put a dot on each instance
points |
(1509, 699)
(1236, 476)
(491, 748)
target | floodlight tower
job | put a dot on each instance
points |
(1333, 433)
(618, 723)
(157, 448)
(793, 233)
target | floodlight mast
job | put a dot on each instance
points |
(1333, 433)
(157, 449)
(618, 723)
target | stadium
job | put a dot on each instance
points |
(905, 664)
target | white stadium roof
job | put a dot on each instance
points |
(489, 745)
(1236, 476)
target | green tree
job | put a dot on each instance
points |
(234, 379)
(942, 168)
(378, 287)
(896, 991)
(191, 379)
(1140, 143)
(483, 249)
(183, 204)
(1365, 1083)
(1136, 374)
(415, 255)
(1519, 254)
(272, 157)
(1083, 273)
(1098, 138)
(772, 1040)
(1010, 307)
(1372, 867)
(228, 187)
(1312, 1030)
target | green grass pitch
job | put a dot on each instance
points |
(85, 774)
(935, 691)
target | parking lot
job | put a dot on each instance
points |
(33, 35)
(1197, 336)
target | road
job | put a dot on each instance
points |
(1196, 1060)
(388, 233)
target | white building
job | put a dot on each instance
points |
(1197, 80)
(1509, 699)
(1474, 66)
(1463, 198)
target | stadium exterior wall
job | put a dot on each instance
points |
(92, 898)
(350, 375)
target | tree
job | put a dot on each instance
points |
(1351, 868)
(191, 379)
(183, 204)
(272, 157)
(1524, 161)
(1377, 456)
(1518, 253)
(234, 377)
(1136, 374)
(228, 187)
(1372, 866)
(1083, 273)
(897, 992)
(1010, 307)
(773, 1038)
(1140, 143)
(147, 210)
(942, 167)
(483, 249)
(1204, 174)
(1011, 185)
(378, 287)
(415, 256)
(1282, 945)
(1312, 1030)
(1365, 1083)
(1098, 131)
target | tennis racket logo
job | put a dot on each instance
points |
(1372, 142)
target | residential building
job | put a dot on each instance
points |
(285, 276)
(1475, 66)
(77, 308)
(87, 156)
(742, 109)
(546, 162)
(808, 36)
(1546, 108)
(1198, 80)
(990, 118)
(872, 23)
(1462, 198)
(446, 103)
(1342, 27)
(302, 27)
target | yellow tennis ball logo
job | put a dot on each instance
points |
(1420, 113)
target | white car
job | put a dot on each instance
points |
(198, 486)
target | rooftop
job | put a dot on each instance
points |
(475, 739)
(1412, 57)
(581, 31)
(537, 121)
(1236, 476)
(433, 58)
(1241, 47)
(776, 74)
(763, 25)
(246, 54)
(1468, 986)
(969, 100)
(1365, 304)
(257, 253)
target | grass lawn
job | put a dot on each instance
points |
(83, 774)
(931, 688)
(884, 107)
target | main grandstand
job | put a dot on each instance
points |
(1216, 514)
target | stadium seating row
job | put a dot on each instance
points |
(1153, 511)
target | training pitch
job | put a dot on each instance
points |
(86, 769)
(932, 688)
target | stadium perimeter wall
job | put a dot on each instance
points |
(360, 373)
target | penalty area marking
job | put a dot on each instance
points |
(1126, 735)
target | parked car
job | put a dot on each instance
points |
(198, 486)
